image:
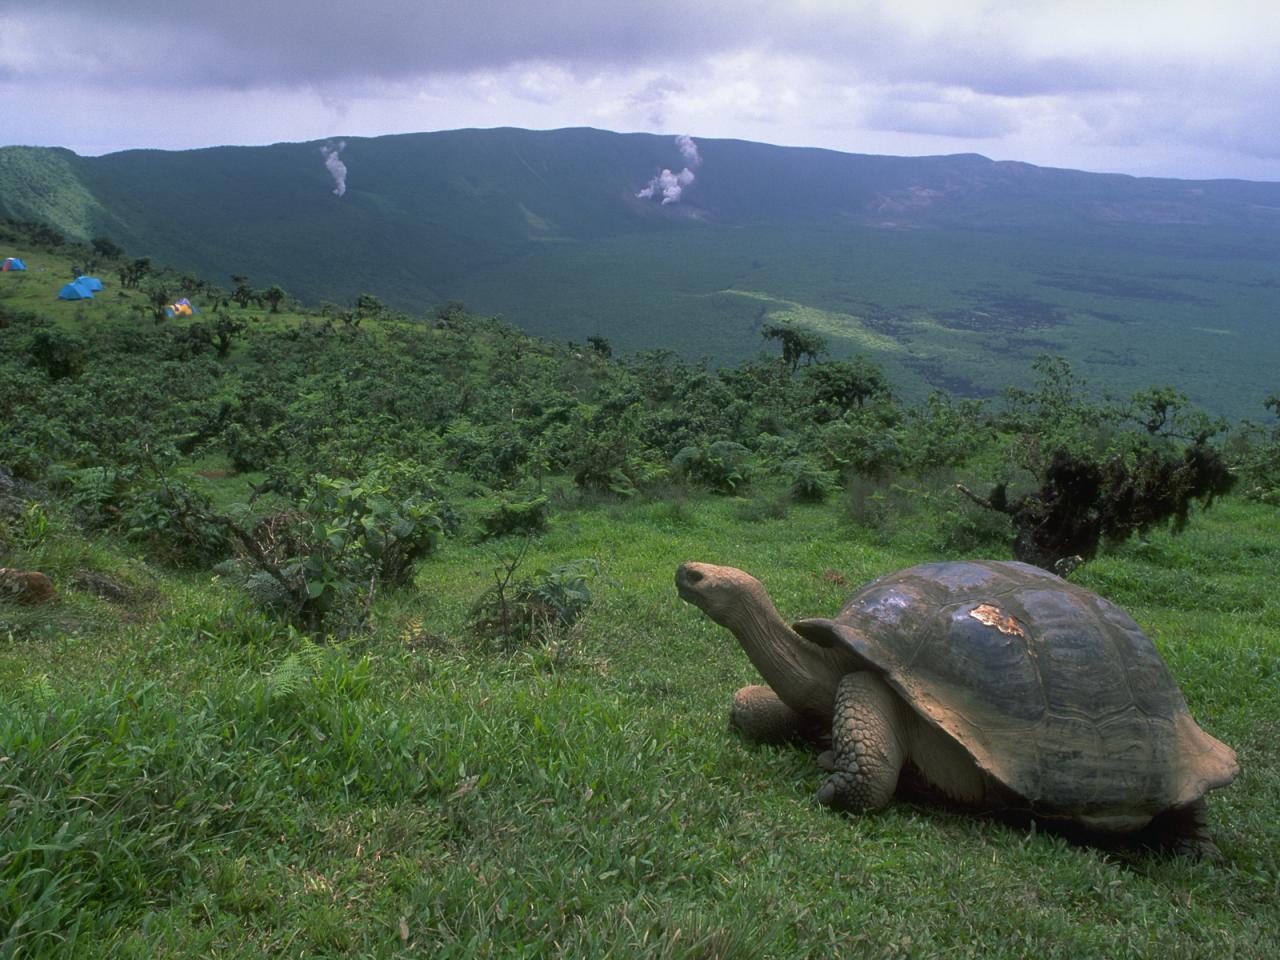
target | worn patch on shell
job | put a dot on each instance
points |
(992, 617)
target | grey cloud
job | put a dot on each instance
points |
(960, 70)
(1245, 125)
(924, 110)
(1008, 74)
(237, 43)
(653, 99)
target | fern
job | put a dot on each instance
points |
(295, 671)
(39, 689)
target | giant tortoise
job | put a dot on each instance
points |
(996, 683)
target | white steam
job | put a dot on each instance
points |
(689, 150)
(670, 186)
(335, 166)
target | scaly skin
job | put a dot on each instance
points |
(759, 716)
(867, 752)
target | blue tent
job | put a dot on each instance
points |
(73, 291)
(12, 263)
(92, 284)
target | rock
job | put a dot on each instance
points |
(27, 587)
(101, 586)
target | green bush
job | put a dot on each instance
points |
(511, 513)
(808, 481)
(723, 466)
(176, 521)
(1255, 452)
(57, 353)
(538, 609)
(328, 556)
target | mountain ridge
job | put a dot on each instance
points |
(952, 270)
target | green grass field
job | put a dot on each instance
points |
(183, 778)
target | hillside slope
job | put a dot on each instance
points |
(952, 271)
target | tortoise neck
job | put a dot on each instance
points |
(802, 674)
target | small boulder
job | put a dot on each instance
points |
(28, 587)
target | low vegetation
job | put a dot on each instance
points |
(365, 643)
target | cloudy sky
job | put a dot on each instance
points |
(1183, 88)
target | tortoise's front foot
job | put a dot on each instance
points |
(1185, 833)
(759, 716)
(866, 755)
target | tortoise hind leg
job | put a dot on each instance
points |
(867, 751)
(759, 716)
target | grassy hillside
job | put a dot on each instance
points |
(188, 769)
(207, 783)
(951, 270)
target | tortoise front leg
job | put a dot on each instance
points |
(867, 751)
(1185, 832)
(759, 716)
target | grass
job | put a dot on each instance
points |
(182, 777)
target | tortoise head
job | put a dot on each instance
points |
(725, 594)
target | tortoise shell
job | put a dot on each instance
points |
(1051, 689)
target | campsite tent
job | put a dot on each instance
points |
(182, 308)
(12, 263)
(92, 284)
(73, 291)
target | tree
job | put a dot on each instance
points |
(158, 298)
(273, 296)
(451, 314)
(132, 273)
(224, 331)
(243, 293)
(1082, 501)
(367, 305)
(190, 285)
(797, 343)
(1164, 412)
(843, 385)
(600, 345)
(106, 247)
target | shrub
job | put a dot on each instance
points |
(877, 503)
(539, 609)
(56, 352)
(510, 513)
(722, 466)
(328, 556)
(808, 481)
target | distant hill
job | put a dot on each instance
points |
(953, 272)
